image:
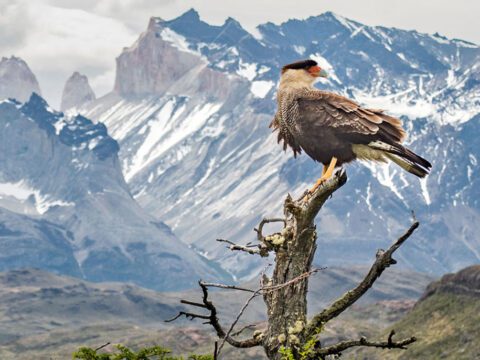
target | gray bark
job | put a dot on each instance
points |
(287, 307)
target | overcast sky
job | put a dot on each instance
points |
(58, 37)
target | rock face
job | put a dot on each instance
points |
(160, 62)
(466, 281)
(194, 154)
(17, 80)
(65, 207)
(77, 91)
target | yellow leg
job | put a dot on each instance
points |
(325, 168)
(326, 174)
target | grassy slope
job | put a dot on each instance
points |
(446, 324)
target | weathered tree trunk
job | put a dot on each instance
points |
(294, 251)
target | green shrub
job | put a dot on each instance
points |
(124, 353)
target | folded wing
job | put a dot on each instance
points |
(327, 123)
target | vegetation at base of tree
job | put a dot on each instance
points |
(306, 352)
(124, 353)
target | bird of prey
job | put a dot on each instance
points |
(334, 130)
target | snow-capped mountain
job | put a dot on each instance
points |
(16, 79)
(77, 91)
(65, 207)
(191, 109)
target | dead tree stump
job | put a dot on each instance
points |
(289, 333)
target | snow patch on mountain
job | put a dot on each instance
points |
(344, 21)
(405, 103)
(248, 71)
(325, 64)
(178, 41)
(424, 187)
(299, 49)
(165, 133)
(261, 88)
(20, 192)
(386, 175)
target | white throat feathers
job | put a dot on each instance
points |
(296, 79)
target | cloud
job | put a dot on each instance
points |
(132, 13)
(11, 34)
(57, 41)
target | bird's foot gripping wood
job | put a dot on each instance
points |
(326, 174)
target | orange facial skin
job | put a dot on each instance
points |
(314, 70)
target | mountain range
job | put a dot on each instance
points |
(191, 107)
(187, 124)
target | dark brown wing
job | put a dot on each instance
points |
(350, 120)
(329, 124)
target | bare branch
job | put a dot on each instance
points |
(187, 302)
(259, 249)
(246, 327)
(255, 294)
(218, 328)
(268, 289)
(102, 346)
(213, 319)
(189, 316)
(341, 346)
(224, 286)
(384, 260)
(259, 231)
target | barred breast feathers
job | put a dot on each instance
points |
(284, 121)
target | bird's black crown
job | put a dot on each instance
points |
(303, 64)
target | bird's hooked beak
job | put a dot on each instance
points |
(317, 71)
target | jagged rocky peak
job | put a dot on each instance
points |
(153, 23)
(163, 61)
(17, 81)
(77, 91)
(190, 16)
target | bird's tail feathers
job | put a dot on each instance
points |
(404, 158)
(411, 167)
